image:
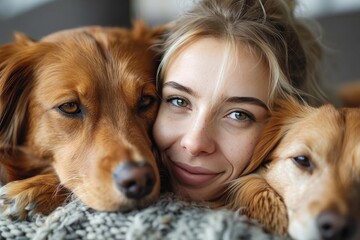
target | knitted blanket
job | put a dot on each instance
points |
(169, 218)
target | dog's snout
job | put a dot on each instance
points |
(135, 180)
(334, 226)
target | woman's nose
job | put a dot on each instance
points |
(198, 140)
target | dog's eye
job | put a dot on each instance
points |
(70, 108)
(146, 102)
(303, 162)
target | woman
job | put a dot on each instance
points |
(224, 64)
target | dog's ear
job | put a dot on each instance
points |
(252, 196)
(285, 111)
(10, 49)
(16, 73)
(22, 39)
(155, 34)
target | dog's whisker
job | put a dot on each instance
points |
(61, 187)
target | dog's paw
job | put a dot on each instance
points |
(23, 199)
(15, 204)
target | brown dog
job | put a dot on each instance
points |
(76, 111)
(307, 178)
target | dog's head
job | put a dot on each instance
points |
(84, 101)
(312, 160)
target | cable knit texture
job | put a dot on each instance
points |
(169, 218)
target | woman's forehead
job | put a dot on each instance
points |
(210, 66)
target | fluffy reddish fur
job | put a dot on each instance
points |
(288, 198)
(349, 94)
(45, 155)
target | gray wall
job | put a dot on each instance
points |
(64, 14)
(342, 58)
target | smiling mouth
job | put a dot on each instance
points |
(191, 176)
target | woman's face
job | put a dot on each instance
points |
(207, 128)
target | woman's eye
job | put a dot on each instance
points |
(240, 116)
(179, 102)
(303, 162)
(70, 108)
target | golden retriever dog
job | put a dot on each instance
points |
(304, 178)
(76, 111)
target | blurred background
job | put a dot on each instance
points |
(339, 21)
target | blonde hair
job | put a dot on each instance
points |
(269, 27)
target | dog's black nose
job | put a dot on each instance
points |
(333, 226)
(135, 179)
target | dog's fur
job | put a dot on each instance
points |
(350, 94)
(74, 107)
(304, 178)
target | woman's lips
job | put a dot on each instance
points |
(192, 176)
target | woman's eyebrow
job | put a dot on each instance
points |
(179, 87)
(250, 100)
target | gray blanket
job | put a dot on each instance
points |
(169, 218)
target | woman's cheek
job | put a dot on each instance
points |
(163, 129)
(158, 129)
